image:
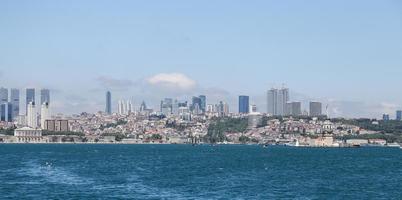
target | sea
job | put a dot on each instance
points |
(86, 171)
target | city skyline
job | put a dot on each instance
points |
(145, 51)
(294, 106)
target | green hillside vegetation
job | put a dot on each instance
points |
(220, 126)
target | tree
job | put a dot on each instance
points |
(244, 139)
(156, 137)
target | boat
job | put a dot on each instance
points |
(394, 145)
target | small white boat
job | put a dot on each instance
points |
(394, 145)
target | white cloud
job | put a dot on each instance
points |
(172, 81)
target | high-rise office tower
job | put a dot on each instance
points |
(399, 115)
(30, 97)
(44, 114)
(315, 109)
(15, 101)
(196, 104)
(44, 96)
(167, 106)
(108, 109)
(143, 106)
(129, 107)
(385, 117)
(203, 103)
(276, 101)
(175, 108)
(293, 108)
(32, 120)
(222, 109)
(272, 97)
(124, 107)
(283, 98)
(211, 108)
(244, 104)
(225, 108)
(121, 107)
(6, 112)
(3, 95)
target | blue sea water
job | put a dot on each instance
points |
(52, 171)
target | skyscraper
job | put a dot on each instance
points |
(167, 106)
(196, 105)
(3, 95)
(32, 120)
(124, 107)
(15, 101)
(175, 108)
(293, 109)
(272, 96)
(244, 104)
(44, 96)
(283, 98)
(223, 109)
(143, 106)
(399, 115)
(315, 109)
(203, 103)
(108, 109)
(6, 112)
(44, 114)
(385, 117)
(30, 97)
(129, 107)
(121, 107)
(276, 101)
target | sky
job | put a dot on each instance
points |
(347, 54)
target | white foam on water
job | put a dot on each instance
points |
(135, 187)
(48, 172)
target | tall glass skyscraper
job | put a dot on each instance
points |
(196, 104)
(108, 109)
(399, 115)
(203, 105)
(15, 101)
(30, 97)
(44, 96)
(6, 112)
(272, 97)
(244, 104)
(3, 95)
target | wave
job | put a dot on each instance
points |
(50, 173)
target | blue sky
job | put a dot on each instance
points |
(347, 54)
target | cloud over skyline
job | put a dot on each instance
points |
(172, 81)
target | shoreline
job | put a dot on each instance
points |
(204, 144)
